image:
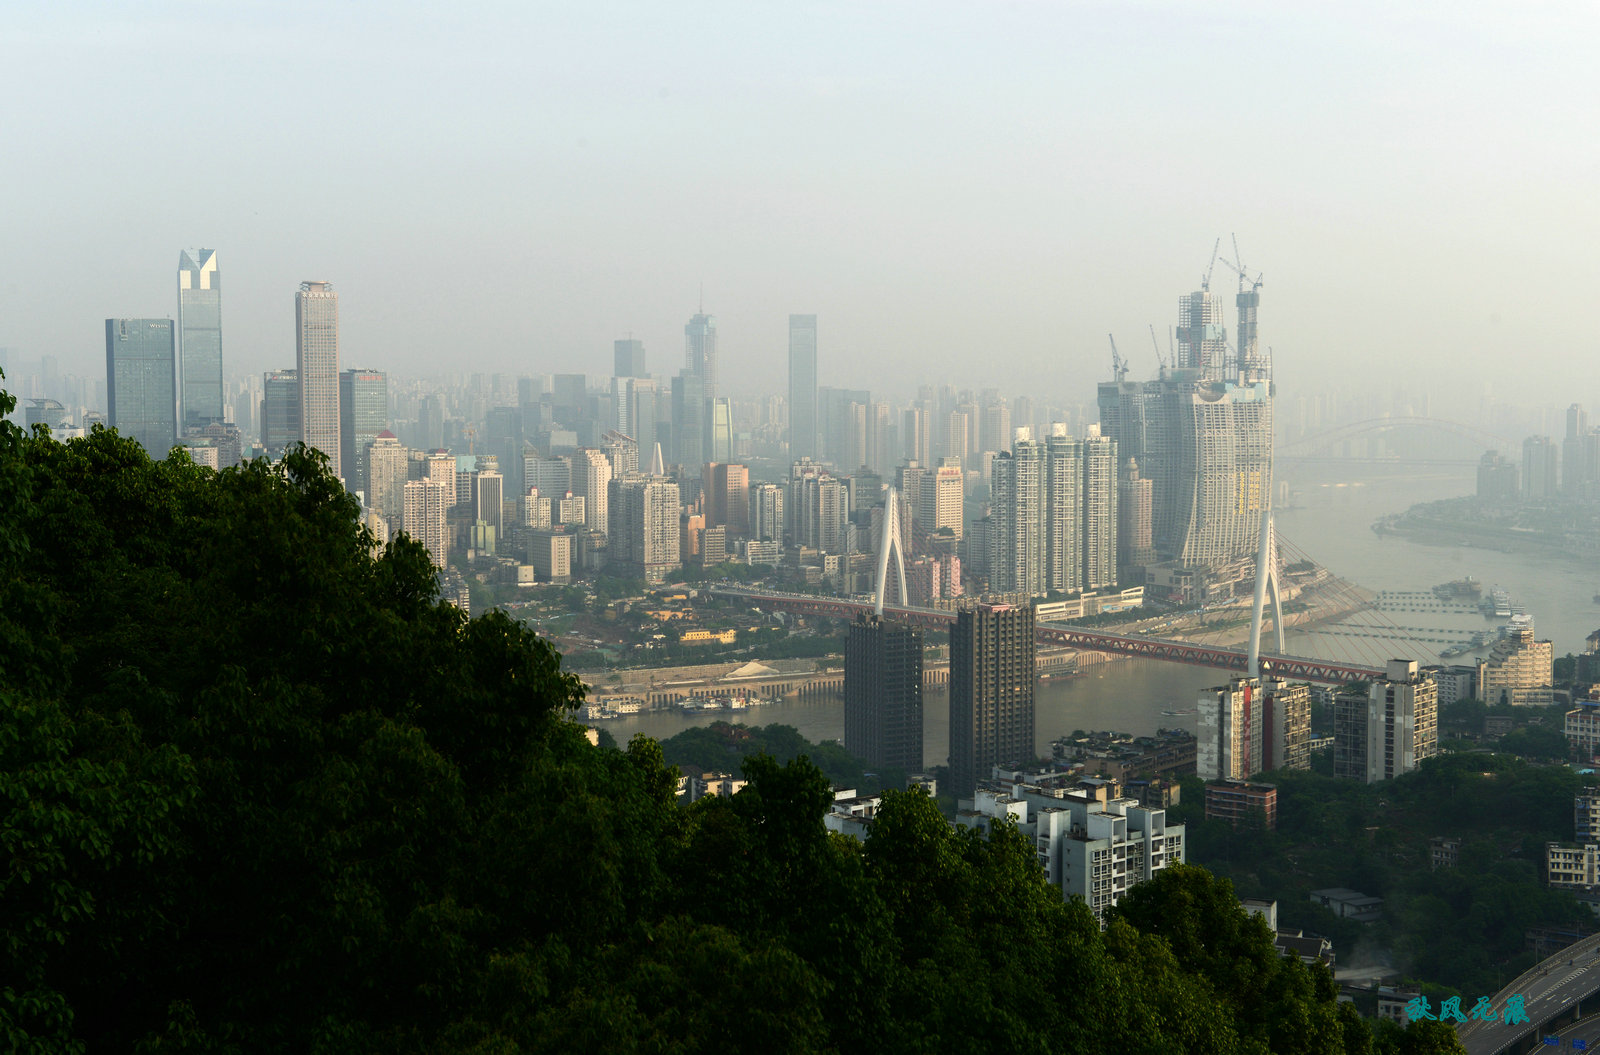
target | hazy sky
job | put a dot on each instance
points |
(974, 193)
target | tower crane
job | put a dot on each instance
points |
(1205, 280)
(1157, 344)
(1119, 366)
(1239, 269)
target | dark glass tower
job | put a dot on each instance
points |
(991, 692)
(199, 339)
(363, 413)
(280, 411)
(883, 693)
(803, 387)
(141, 382)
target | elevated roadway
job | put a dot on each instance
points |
(1555, 994)
(1296, 668)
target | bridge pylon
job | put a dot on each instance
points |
(1266, 578)
(891, 539)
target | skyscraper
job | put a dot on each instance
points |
(803, 387)
(199, 339)
(991, 692)
(387, 461)
(591, 480)
(883, 693)
(1135, 543)
(1099, 511)
(363, 413)
(1228, 731)
(280, 411)
(726, 491)
(141, 382)
(1063, 511)
(700, 349)
(1017, 564)
(316, 328)
(628, 356)
(644, 526)
(426, 505)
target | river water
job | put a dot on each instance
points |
(1331, 521)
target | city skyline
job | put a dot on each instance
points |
(1003, 185)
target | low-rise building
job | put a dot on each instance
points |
(1518, 671)
(1570, 866)
(1349, 904)
(1243, 802)
(1444, 852)
(1583, 728)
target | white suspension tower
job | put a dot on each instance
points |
(891, 538)
(1266, 574)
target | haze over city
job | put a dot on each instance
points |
(962, 193)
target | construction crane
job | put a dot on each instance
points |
(1239, 269)
(1205, 280)
(1157, 344)
(1119, 365)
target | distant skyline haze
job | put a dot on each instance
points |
(971, 194)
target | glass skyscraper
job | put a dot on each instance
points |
(141, 382)
(199, 339)
(316, 330)
(363, 413)
(803, 386)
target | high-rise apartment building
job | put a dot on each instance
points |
(1099, 511)
(644, 527)
(1402, 721)
(883, 693)
(622, 452)
(1017, 564)
(1063, 511)
(1228, 730)
(1540, 481)
(440, 467)
(426, 505)
(1286, 725)
(316, 328)
(766, 512)
(363, 414)
(199, 339)
(591, 481)
(141, 382)
(1578, 469)
(1135, 541)
(628, 358)
(551, 476)
(388, 462)
(280, 411)
(941, 505)
(803, 387)
(991, 692)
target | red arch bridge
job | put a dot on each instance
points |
(1295, 668)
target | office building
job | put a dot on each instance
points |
(363, 414)
(552, 477)
(644, 514)
(1540, 464)
(725, 489)
(141, 382)
(388, 463)
(803, 426)
(700, 349)
(883, 693)
(1402, 721)
(199, 339)
(316, 328)
(550, 553)
(991, 692)
(622, 452)
(280, 411)
(488, 487)
(424, 518)
(628, 356)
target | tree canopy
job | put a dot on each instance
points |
(262, 790)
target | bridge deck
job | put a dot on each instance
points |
(1297, 668)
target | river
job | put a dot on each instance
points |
(1331, 520)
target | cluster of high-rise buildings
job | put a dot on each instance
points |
(1549, 469)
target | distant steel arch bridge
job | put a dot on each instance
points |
(1317, 444)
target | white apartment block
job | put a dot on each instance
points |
(1090, 846)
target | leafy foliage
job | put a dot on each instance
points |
(261, 790)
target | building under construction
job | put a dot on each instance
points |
(1201, 432)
